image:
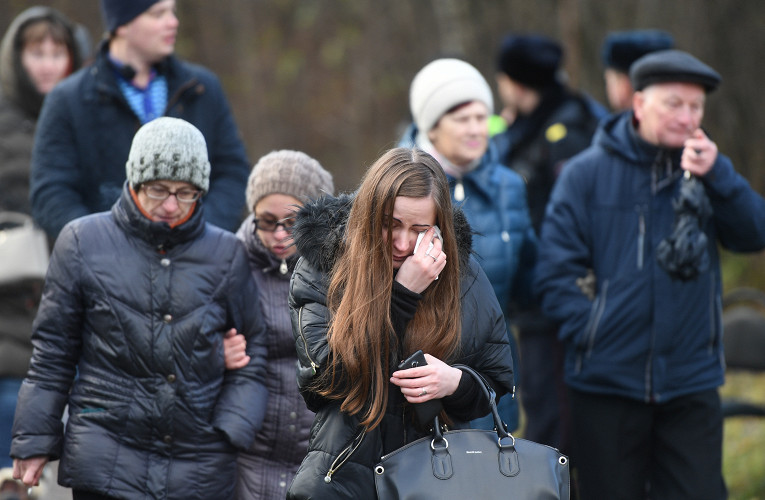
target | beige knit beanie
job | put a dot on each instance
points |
(288, 172)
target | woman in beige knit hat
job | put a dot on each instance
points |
(279, 183)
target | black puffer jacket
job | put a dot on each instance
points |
(319, 232)
(140, 310)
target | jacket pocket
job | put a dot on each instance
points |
(345, 474)
(345, 454)
(591, 329)
(306, 350)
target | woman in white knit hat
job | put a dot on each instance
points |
(279, 184)
(451, 103)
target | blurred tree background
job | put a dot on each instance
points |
(331, 77)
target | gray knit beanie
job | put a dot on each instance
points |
(288, 172)
(168, 149)
(443, 84)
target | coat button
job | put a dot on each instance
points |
(171, 378)
(165, 262)
(505, 236)
(168, 318)
(168, 439)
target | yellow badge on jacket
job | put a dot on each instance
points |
(555, 132)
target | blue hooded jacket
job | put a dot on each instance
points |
(644, 336)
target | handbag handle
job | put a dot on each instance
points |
(508, 458)
(491, 396)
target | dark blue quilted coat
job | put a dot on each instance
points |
(132, 321)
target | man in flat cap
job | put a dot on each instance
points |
(643, 342)
(622, 48)
(87, 123)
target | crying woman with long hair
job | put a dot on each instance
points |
(384, 273)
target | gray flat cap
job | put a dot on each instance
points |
(672, 66)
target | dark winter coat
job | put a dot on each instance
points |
(335, 436)
(87, 126)
(644, 336)
(536, 146)
(267, 468)
(139, 310)
(20, 104)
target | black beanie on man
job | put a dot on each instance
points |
(532, 60)
(622, 48)
(120, 12)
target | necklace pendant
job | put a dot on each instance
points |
(459, 191)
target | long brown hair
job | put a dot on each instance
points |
(361, 336)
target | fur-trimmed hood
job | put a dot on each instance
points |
(320, 229)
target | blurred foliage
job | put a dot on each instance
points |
(744, 439)
(331, 77)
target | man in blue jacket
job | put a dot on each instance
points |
(88, 121)
(643, 350)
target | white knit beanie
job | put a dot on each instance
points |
(443, 84)
(168, 149)
(293, 173)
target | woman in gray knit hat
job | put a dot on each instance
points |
(279, 183)
(136, 304)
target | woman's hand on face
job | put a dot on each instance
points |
(423, 267)
(432, 381)
(234, 350)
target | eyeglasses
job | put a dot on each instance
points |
(271, 225)
(156, 192)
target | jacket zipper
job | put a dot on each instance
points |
(641, 240)
(314, 366)
(715, 313)
(344, 455)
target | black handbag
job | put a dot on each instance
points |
(473, 463)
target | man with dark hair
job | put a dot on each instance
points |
(621, 49)
(88, 121)
(642, 334)
(549, 123)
